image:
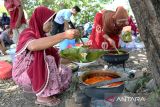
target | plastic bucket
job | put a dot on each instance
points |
(5, 70)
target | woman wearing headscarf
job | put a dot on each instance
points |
(107, 28)
(17, 18)
(5, 20)
(37, 65)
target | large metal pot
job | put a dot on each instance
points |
(116, 58)
(99, 92)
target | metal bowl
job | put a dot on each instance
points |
(98, 92)
(84, 64)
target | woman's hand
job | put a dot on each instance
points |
(111, 41)
(70, 34)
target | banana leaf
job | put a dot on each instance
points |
(70, 54)
(94, 55)
(81, 54)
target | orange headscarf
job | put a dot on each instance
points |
(109, 20)
(120, 13)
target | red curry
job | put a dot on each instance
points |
(94, 80)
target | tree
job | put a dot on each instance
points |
(147, 14)
(88, 7)
(2, 9)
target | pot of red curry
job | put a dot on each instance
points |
(94, 76)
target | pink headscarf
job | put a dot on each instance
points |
(38, 72)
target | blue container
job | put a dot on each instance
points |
(66, 43)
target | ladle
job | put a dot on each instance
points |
(117, 50)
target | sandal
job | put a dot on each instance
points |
(53, 102)
(27, 90)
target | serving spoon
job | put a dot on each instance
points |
(117, 50)
(81, 41)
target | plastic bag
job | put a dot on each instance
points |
(126, 37)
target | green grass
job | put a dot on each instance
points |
(154, 98)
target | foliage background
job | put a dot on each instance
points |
(88, 7)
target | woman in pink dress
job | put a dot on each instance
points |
(37, 65)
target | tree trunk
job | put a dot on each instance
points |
(147, 14)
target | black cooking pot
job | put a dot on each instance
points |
(99, 92)
(113, 57)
